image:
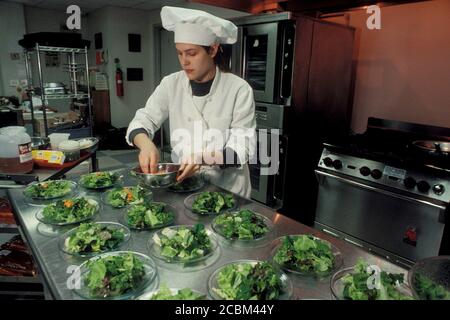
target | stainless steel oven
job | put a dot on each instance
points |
(264, 56)
(396, 212)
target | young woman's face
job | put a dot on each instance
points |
(195, 61)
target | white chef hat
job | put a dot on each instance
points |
(197, 27)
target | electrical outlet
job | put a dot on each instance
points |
(14, 56)
(13, 83)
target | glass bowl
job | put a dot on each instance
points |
(111, 225)
(190, 184)
(40, 215)
(430, 278)
(188, 202)
(116, 177)
(155, 249)
(337, 285)
(168, 208)
(335, 251)
(173, 291)
(213, 283)
(240, 242)
(149, 281)
(148, 196)
(70, 191)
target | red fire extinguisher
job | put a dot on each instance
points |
(119, 79)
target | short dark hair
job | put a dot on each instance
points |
(222, 58)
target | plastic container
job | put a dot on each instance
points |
(57, 138)
(71, 150)
(15, 151)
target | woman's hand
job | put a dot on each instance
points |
(148, 155)
(189, 166)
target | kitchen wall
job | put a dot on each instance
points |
(403, 70)
(115, 24)
(12, 28)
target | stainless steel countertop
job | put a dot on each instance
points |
(53, 263)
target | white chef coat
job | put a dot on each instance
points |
(229, 107)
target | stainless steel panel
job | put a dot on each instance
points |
(394, 258)
(378, 218)
(262, 18)
(269, 116)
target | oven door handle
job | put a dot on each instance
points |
(382, 191)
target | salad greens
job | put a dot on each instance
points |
(149, 215)
(114, 275)
(93, 237)
(356, 285)
(70, 210)
(101, 179)
(188, 184)
(244, 281)
(184, 243)
(244, 224)
(50, 189)
(305, 253)
(427, 289)
(120, 197)
(212, 202)
(164, 293)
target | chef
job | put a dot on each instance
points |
(211, 111)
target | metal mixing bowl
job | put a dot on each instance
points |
(92, 147)
(165, 176)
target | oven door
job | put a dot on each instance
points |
(389, 223)
(259, 44)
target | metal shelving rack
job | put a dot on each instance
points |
(73, 69)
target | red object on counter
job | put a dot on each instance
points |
(15, 259)
(6, 215)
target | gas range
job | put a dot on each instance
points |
(422, 181)
(379, 192)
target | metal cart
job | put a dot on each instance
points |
(72, 68)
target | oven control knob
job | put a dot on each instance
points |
(423, 186)
(337, 164)
(409, 182)
(328, 161)
(438, 189)
(365, 171)
(376, 174)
